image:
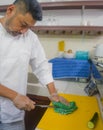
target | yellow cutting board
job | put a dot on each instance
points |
(87, 106)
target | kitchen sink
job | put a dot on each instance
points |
(32, 78)
(35, 87)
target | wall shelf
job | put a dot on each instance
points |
(72, 5)
(3, 8)
(97, 4)
(70, 29)
(67, 29)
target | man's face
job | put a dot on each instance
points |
(17, 23)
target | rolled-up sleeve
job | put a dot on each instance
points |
(39, 63)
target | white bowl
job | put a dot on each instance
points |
(68, 55)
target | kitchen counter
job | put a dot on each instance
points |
(76, 89)
(63, 86)
(66, 87)
(87, 106)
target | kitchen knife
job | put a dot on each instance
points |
(45, 106)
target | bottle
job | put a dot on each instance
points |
(61, 46)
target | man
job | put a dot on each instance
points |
(19, 47)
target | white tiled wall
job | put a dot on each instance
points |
(6, 2)
(61, 17)
(68, 17)
(87, 43)
(74, 42)
(72, 17)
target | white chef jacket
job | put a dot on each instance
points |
(16, 52)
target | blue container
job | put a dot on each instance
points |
(83, 55)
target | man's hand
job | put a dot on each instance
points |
(55, 97)
(23, 102)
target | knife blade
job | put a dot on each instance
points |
(45, 106)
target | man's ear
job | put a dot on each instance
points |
(10, 9)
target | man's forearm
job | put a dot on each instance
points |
(51, 88)
(53, 92)
(20, 101)
(8, 93)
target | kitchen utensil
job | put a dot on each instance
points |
(91, 87)
(50, 106)
(68, 55)
(83, 55)
(45, 106)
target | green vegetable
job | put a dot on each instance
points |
(93, 121)
(64, 109)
